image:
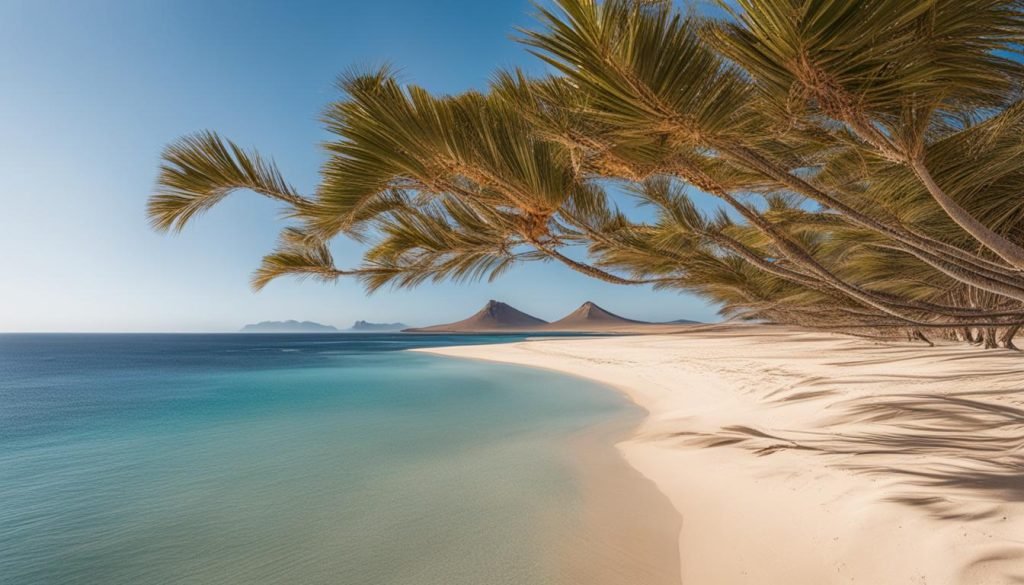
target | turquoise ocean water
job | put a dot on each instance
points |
(282, 459)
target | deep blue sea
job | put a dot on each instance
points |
(282, 459)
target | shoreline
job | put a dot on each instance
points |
(626, 532)
(804, 457)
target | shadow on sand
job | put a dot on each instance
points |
(953, 454)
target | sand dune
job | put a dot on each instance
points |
(809, 458)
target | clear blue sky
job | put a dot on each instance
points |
(90, 92)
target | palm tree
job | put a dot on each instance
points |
(864, 154)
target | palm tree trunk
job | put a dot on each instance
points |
(1006, 338)
(966, 335)
(794, 252)
(916, 333)
(989, 338)
(979, 337)
(1006, 249)
(973, 270)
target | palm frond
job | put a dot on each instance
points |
(299, 255)
(199, 170)
(865, 157)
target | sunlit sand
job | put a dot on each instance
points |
(797, 457)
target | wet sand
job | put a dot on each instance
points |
(629, 529)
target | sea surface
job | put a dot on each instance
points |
(283, 459)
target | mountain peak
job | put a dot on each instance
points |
(494, 307)
(590, 314)
(495, 315)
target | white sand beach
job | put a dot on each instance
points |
(796, 457)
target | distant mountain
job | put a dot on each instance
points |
(590, 317)
(288, 327)
(495, 316)
(684, 322)
(367, 326)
